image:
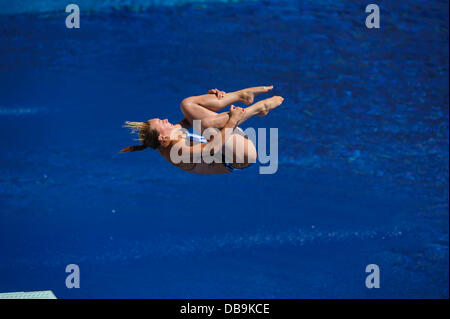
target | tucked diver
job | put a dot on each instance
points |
(162, 135)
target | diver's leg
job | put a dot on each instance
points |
(213, 103)
(260, 108)
(243, 150)
(194, 111)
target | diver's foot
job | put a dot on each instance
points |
(269, 104)
(248, 95)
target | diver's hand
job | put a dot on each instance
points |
(218, 93)
(236, 113)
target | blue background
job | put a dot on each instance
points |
(363, 150)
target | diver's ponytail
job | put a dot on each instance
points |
(133, 148)
(147, 135)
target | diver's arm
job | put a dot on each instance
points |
(218, 93)
(236, 114)
(184, 123)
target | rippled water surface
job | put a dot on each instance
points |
(363, 150)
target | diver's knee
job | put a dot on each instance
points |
(207, 122)
(186, 105)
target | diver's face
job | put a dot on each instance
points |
(164, 127)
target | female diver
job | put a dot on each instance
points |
(163, 136)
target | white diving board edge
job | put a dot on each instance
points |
(45, 294)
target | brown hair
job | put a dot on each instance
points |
(147, 135)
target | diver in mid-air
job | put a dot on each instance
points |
(163, 136)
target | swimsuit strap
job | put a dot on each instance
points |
(196, 138)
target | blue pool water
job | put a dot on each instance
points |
(363, 150)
